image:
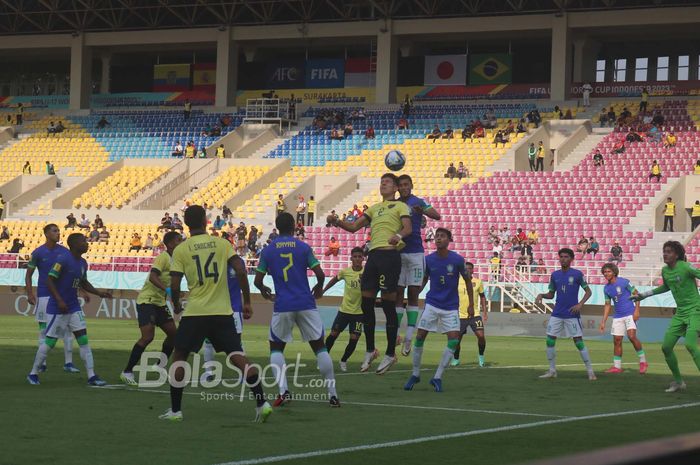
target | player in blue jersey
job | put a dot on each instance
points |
(287, 259)
(566, 316)
(67, 275)
(619, 291)
(412, 259)
(43, 259)
(441, 314)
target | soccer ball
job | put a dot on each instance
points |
(394, 160)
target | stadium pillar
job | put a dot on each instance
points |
(226, 70)
(387, 65)
(104, 78)
(560, 80)
(80, 71)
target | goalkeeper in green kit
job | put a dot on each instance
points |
(679, 278)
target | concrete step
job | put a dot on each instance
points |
(267, 148)
(41, 207)
(580, 152)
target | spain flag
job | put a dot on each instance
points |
(490, 69)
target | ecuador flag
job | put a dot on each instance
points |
(171, 78)
(495, 68)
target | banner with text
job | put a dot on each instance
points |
(325, 73)
(493, 68)
(285, 75)
(629, 89)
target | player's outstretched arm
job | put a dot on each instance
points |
(431, 213)
(320, 278)
(356, 225)
(87, 287)
(238, 266)
(175, 283)
(656, 291)
(28, 283)
(331, 283)
(265, 291)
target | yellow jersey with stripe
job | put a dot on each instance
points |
(203, 260)
(150, 294)
(478, 286)
(385, 221)
(352, 296)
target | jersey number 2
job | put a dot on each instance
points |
(211, 270)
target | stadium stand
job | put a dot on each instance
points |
(119, 188)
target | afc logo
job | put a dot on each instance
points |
(324, 73)
(285, 74)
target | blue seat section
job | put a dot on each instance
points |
(152, 133)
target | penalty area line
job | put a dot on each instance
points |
(441, 437)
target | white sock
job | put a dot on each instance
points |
(642, 356)
(417, 356)
(447, 355)
(279, 370)
(552, 357)
(587, 359)
(86, 355)
(42, 336)
(68, 347)
(325, 366)
(411, 309)
(40, 358)
(208, 352)
(617, 362)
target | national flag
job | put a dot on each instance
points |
(495, 68)
(171, 78)
(358, 73)
(445, 70)
(204, 76)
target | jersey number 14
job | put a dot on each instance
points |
(211, 270)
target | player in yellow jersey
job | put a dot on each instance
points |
(477, 319)
(350, 312)
(203, 260)
(390, 221)
(151, 308)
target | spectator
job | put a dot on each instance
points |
(558, 113)
(670, 140)
(17, 245)
(301, 209)
(220, 151)
(587, 88)
(568, 114)
(654, 134)
(612, 117)
(449, 133)
(497, 247)
(2, 205)
(72, 222)
(102, 123)
(603, 118)
(60, 127)
(347, 131)
(526, 248)
(645, 101)
(218, 223)
(462, 171)
(467, 132)
(522, 126)
(534, 117)
(658, 119)
(436, 134)
(495, 266)
(226, 212)
(84, 222)
(299, 230)
(51, 128)
(521, 266)
(166, 222)
(27, 168)
(493, 235)
(655, 171)
(669, 213)
(541, 267)
(369, 132)
(479, 132)
(187, 111)
(241, 236)
(190, 150)
(158, 246)
(696, 170)
(514, 244)
(695, 216)
(403, 124)
(593, 246)
(253, 239)
(148, 243)
(50, 170)
(19, 114)
(615, 253)
(335, 134)
(333, 247)
(583, 245)
(272, 236)
(177, 223)
(331, 214)
(521, 236)
(490, 120)
(500, 138)
(633, 136)
(104, 235)
(533, 236)
(598, 159)
(504, 234)
(355, 211)
(281, 206)
(94, 235)
(5, 234)
(429, 235)
(178, 150)
(203, 151)
(531, 155)
(540, 157)
(619, 146)
(361, 114)
(310, 211)
(451, 171)
(510, 127)
(135, 243)
(407, 105)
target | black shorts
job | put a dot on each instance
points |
(219, 329)
(149, 314)
(476, 324)
(346, 320)
(382, 271)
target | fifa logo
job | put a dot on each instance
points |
(324, 73)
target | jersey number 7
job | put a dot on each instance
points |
(211, 270)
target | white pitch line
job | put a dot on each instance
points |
(419, 440)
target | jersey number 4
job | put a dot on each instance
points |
(211, 270)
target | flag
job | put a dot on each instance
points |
(204, 77)
(358, 73)
(494, 68)
(171, 78)
(445, 70)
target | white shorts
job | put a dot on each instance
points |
(436, 320)
(412, 269)
(564, 327)
(308, 321)
(620, 326)
(40, 311)
(237, 318)
(65, 322)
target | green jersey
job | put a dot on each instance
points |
(680, 280)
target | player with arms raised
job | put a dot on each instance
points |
(566, 316)
(443, 268)
(476, 320)
(412, 259)
(679, 278)
(202, 260)
(67, 275)
(390, 221)
(619, 290)
(287, 259)
(350, 311)
(43, 259)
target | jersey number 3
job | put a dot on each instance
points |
(211, 270)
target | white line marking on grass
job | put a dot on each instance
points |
(440, 437)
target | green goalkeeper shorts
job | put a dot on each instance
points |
(680, 324)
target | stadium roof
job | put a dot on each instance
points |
(55, 16)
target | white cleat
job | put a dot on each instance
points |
(406, 349)
(592, 376)
(369, 358)
(676, 386)
(549, 374)
(171, 416)
(343, 366)
(128, 379)
(386, 363)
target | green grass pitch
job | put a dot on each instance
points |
(501, 414)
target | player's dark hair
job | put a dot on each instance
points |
(391, 176)
(677, 247)
(612, 267)
(170, 236)
(73, 239)
(566, 251)
(445, 231)
(469, 264)
(285, 224)
(49, 226)
(357, 250)
(195, 216)
(405, 176)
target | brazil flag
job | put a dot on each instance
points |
(495, 68)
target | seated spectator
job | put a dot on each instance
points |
(533, 236)
(272, 236)
(104, 235)
(504, 234)
(521, 265)
(51, 128)
(218, 223)
(361, 114)
(526, 249)
(72, 222)
(5, 234)
(522, 126)
(216, 131)
(593, 246)
(176, 223)
(299, 231)
(429, 235)
(619, 146)
(479, 132)
(497, 247)
(165, 222)
(598, 159)
(510, 127)
(658, 119)
(102, 123)
(654, 134)
(17, 245)
(582, 245)
(462, 171)
(98, 222)
(534, 117)
(451, 171)
(347, 131)
(369, 132)
(467, 132)
(500, 138)
(207, 130)
(178, 151)
(493, 235)
(436, 134)
(612, 117)
(333, 248)
(148, 243)
(94, 235)
(355, 211)
(521, 235)
(403, 124)
(158, 246)
(226, 120)
(541, 267)
(670, 140)
(514, 244)
(568, 114)
(633, 136)
(603, 118)
(490, 120)
(84, 222)
(335, 134)
(655, 171)
(696, 170)
(60, 127)
(615, 253)
(449, 133)
(135, 242)
(331, 214)
(226, 212)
